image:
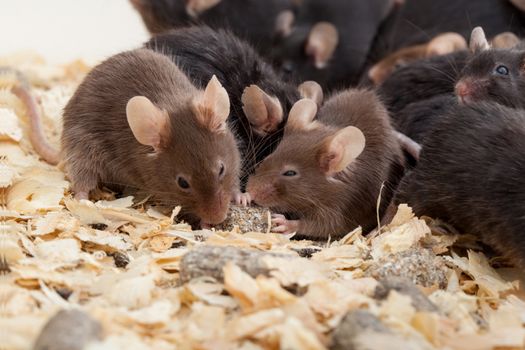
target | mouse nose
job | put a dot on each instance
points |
(463, 90)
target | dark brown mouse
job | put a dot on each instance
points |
(137, 121)
(328, 173)
(492, 74)
(471, 175)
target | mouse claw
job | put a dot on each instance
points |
(282, 225)
(81, 195)
(243, 199)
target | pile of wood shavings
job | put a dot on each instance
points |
(119, 263)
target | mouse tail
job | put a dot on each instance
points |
(22, 90)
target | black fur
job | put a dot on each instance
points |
(422, 80)
(357, 22)
(202, 52)
(418, 21)
(508, 90)
(418, 119)
(471, 174)
(252, 20)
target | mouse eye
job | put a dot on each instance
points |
(290, 173)
(501, 70)
(221, 170)
(183, 184)
(288, 67)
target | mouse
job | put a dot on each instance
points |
(260, 98)
(493, 74)
(328, 40)
(325, 177)
(136, 121)
(251, 20)
(442, 44)
(470, 174)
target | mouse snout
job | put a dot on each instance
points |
(468, 90)
(215, 210)
(262, 193)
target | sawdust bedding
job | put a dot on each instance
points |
(146, 281)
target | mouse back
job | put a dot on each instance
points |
(470, 174)
(137, 121)
(328, 167)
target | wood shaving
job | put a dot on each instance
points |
(126, 266)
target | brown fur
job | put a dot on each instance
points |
(99, 147)
(325, 205)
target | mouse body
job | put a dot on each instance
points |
(137, 121)
(252, 20)
(327, 173)
(328, 40)
(470, 174)
(260, 98)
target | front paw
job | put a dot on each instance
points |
(242, 199)
(280, 224)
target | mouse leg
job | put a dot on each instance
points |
(282, 225)
(412, 147)
(82, 182)
(243, 199)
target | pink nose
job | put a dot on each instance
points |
(463, 89)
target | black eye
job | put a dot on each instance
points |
(288, 67)
(221, 170)
(290, 173)
(183, 183)
(501, 70)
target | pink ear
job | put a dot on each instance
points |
(195, 7)
(284, 23)
(322, 42)
(446, 43)
(478, 40)
(341, 149)
(264, 112)
(506, 40)
(311, 90)
(302, 114)
(213, 106)
(147, 122)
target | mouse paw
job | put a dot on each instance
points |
(243, 199)
(282, 225)
(82, 195)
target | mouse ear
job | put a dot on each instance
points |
(478, 40)
(446, 43)
(313, 91)
(321, 43)
(213, 106)
(284, 23)
(302, 114)
(341, 149)
(506, 40)
(148, 122)
(263, 111)
(195, 7)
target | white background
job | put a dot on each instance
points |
(63, 30)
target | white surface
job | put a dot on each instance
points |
(63, 30)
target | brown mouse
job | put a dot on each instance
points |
(327, 173)
(441, 45)
(136, 121)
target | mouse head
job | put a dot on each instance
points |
(305, 51)
(307, 162)
(190, 155)
(265, 112)
(492, 74)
